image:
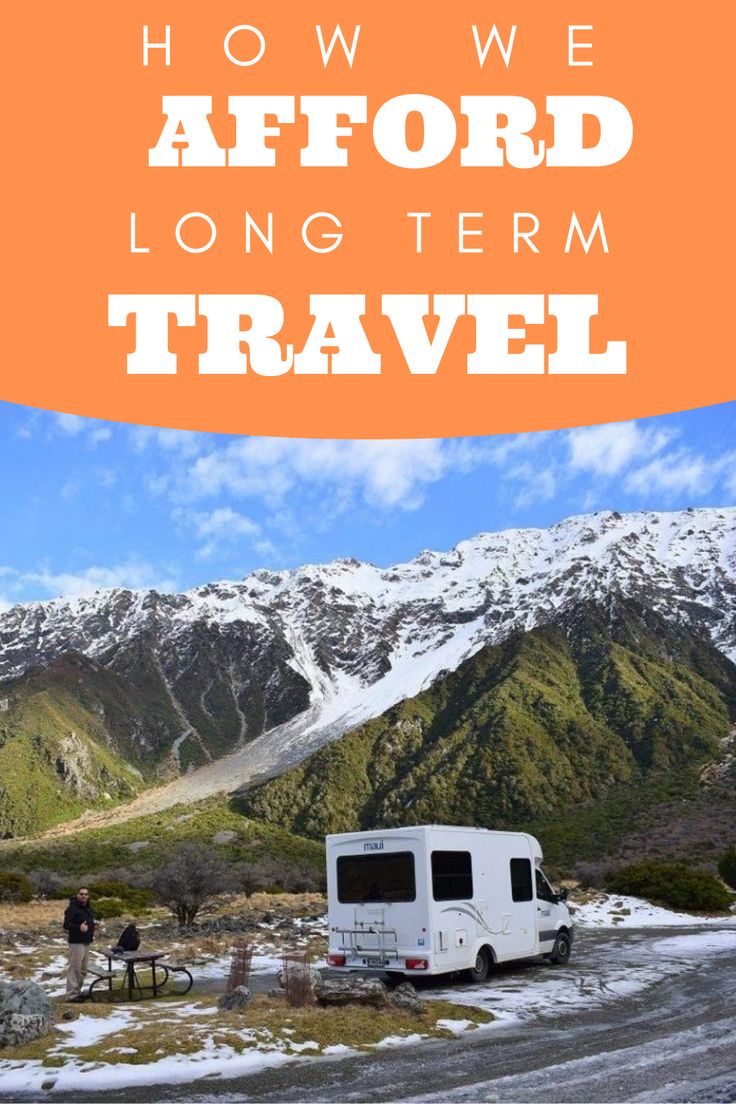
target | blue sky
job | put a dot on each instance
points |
(88, 503)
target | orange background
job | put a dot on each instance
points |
(81, 113)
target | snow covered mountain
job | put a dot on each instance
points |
(297, 657)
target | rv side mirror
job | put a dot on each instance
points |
(562, 895)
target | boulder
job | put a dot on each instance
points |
(25, 1013)
(353, 990)
(236, 1000)
(405, 996)
(315, 978)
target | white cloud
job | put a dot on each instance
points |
(87, 429)
(133, 573)
(730, 480)
(606, 450)
(684, 472)
(539, 484)
(70, 490)
(70, 424)
(179, 441)
(223, 526)
(386, 474)
(103, 433)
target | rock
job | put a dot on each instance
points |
(405, 996)
(225, 836)
(354, 990)
(236, 1000)
(315, 977)
(138, 845)
(25, 1013)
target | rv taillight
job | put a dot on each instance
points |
(417, 964)
(335, 960)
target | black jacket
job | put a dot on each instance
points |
(74, 917)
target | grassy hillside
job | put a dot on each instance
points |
(556, 718)
(75, 737)
(143, 844)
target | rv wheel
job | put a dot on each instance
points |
(561, 950)
(482, 967)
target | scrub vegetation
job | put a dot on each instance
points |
(67, 744)
(674, 885)
(554, 723)
(174, 1027)
(137, 848)
(727, 867)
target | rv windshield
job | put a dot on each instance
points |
(386, 877)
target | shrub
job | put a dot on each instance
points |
(128, 898)
(45, 882)
(109, 907)
(134, 897)
(190, 879)
(15, 888)
(674, 884)
(727, 867)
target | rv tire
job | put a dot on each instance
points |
(561, 950)
(482, 967)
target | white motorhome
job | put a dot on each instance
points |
(436, 899)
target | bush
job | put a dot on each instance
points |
(674, 884)
(104, 895)
(45, 882)
(727, 867)
(109, 907)
(190, 879)
(15, 888)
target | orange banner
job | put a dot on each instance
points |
(367, 220)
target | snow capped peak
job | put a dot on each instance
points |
(363, 637)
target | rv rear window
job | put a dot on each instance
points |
(452, 875)
(521, 880)
(365, 878)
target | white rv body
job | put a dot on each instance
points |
(435, 899)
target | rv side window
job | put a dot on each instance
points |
(365, 878)
(521, 880)
(452, 875)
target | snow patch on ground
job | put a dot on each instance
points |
(537, 990)
(88, 1030)
(398, 1040)
(614, 911)
(25, 1077)
(457, 1027)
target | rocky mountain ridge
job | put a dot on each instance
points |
(305, 654)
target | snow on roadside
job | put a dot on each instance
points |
(75, 1076)
(601, 973)
(614, 911)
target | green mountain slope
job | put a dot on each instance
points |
(553, 718)
(75, 737)
(145, 843)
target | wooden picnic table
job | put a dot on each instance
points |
(133, 959)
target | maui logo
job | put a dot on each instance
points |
(373, 845)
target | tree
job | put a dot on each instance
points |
(727, 867)
(193, 876)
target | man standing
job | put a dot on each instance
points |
(79, 922)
